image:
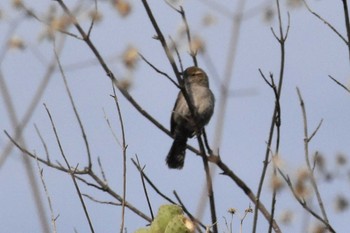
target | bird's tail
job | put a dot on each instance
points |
(176, 156)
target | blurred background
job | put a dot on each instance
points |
(234, 39)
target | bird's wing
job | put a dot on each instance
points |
(174, 113)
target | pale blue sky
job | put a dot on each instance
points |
(313, 52)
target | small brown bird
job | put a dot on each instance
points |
(183, 125)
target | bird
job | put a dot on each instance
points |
(183, 124)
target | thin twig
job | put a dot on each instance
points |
(315, 131)
(325, 22)
(192, 53)
(111, 128)
(177, 54)
(144, 187)
(101, 183)
(29, 169)
(158, 71)
(161, 38)
(151, 183)
(170, 57)
(124, 147)
(22, 123)
(103, 174)
(48, 163)
(339, 83)
(240, 183)
(42, 142)
(93, 19)
(278, 129)
(53, 218)
(111, 75)
(303, 203)
(276, 112)
(71, 172)
(76, 113)
(101, 202)
(307, 159)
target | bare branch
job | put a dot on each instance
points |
(22, 123)
(303, 203)
(315, 131)
(151, 183)
(103, 174)
(87, 146)
(240, 183)
(71, 172)
(53, 218)
(101, 184)
(101, 202)
(275, 121)
(307, 159)
(158, 71)
(111, 75)
(177, 54)
(93, 19)
(325, 22)
(144, 187)
(339, 83)
(124, 147)
(43, 142)
(192, 53)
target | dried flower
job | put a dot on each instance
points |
(301, 189)
(123, 7)
(61, 23)
(17, 4)
(294, 3)
(341, 159)
(287, 217)
(125, 84)
(320, 162)
(269, 14)
(303, 174)
(341, 203)
(208, 20)
(130, 57)
(231, 210)
(197, 45)
(16, 42)
(181, 30)
(189, 225)
(95, 15)
(249, 210)
(56, 24)
(276, 183)
(278, 161)
(319, 228)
